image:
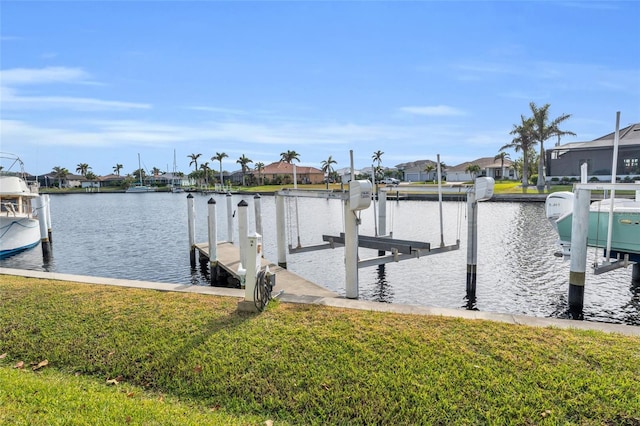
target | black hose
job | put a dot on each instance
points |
(262, 291)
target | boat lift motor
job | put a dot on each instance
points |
(360, 192)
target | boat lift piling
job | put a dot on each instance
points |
(579, 231)
(280, 231)
(213, 241)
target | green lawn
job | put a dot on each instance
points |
(173, 358)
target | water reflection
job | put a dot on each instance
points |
(382, 291)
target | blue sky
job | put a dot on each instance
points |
(99, 82)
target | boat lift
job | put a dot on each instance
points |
(359, 197)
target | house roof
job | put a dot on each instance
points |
(484, 163)
(282, 167)
(418, 165)
(111, 177)
(629, 135)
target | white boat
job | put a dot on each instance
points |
(19, 228)
(138, 188)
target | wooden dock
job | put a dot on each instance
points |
(287, 281)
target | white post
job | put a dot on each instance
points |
(229, 218)
(257, 206)
(40, 206)
(295, 178)
(351, 251)
(579, 231)
(213, 241)
(47, 210)
(281, 237)
(440, 199)
(243, 230)
(191, 223)
(614, 171)
(252, 252)
(382, 212)
(472, 246)
(637, 191)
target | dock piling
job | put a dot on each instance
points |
(472, 245)
(257, 205)
(47, 211)
(213, 241)
(280, 232)
(243, 231)
(579, 230)
(191, 222)
(229, 218)
(40, 204)
(635, 274)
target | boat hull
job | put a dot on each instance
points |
(18, 234)
(139, 189)
(625, 237)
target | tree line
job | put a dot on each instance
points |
(530, 131)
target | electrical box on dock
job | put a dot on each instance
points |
(360, 194)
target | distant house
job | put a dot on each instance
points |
(415, 171)
(70, 181)
(565, 160)
(344, 174)
(111, 180)
(281, 172)
(489, 167)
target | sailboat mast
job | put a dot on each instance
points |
(139, 169)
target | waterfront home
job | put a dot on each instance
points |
(564, 161)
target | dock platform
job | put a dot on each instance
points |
(287, 281)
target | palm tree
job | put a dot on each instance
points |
(82, 168)
(91, 176)
(428, 169)
(377, 157)
(473, 170)
(60, 173)
(117, 168)
(542, 130)
(219, 157)
(327, 167)
(205, 172)
(156, 171)
(194, 160)
(502, 155)
(259, 167)
(289, 156)
(244, 163)
(523, 141)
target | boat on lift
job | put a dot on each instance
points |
(625, 230)
(19, 226)
(614, 223)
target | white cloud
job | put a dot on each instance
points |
(10, 101)
(48, 75)
(19, 77)
(439, 110)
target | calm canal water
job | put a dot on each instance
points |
(144, 237)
